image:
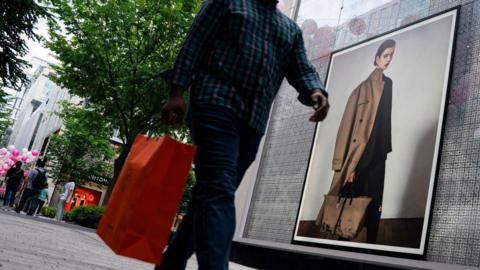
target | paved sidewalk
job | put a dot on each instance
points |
(39, 243)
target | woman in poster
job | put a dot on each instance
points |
(364, 140)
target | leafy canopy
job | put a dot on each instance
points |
(17, 23)
(84, 146)
(112, 53)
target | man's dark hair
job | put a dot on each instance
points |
(71, 178)
(41, 163)
(389, 43)
(18, 164)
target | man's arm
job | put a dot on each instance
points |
(304, 78)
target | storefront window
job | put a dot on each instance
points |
(331, 25)
(83, 196)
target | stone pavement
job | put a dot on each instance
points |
(40, 243)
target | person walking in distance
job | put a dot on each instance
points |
(14, 178)
(40, 200)
(66, 196)
(37, 177)
(233, 61)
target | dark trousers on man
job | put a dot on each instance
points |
(226, 146)
(36, 206)
(9, 198)
(369, 181)
(27, 198)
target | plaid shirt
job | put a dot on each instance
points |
(237, 54)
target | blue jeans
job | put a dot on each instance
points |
(226, 146)
(9, 196)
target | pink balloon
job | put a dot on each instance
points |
(14, 158)
(15, 153)
(309, 26)
(24, 158)
(35, 153)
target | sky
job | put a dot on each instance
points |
(36, 49)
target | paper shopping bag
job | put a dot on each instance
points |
(146, 197)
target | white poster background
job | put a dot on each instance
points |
(419, 72)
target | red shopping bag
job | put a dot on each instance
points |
(143, 204)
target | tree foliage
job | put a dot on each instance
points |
(18, 19)
(187, 193)
(5, 112)
(84, 146)
(112, 53)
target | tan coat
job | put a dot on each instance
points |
(354, 131)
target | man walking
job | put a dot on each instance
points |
(38, 175)
(234, 59)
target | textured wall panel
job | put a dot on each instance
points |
(455, 236)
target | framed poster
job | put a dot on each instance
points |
(380, 144)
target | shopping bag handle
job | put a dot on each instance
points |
(347, 191)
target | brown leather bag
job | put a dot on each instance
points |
(344, 214)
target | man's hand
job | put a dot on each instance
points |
(174, 110)
(320, 105)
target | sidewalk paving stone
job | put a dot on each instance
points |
(41, 243)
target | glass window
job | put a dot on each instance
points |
(341, 22)
(383, 24)
(394, 15)
(48, 87)
(287, 7)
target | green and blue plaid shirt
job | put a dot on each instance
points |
(237, 54)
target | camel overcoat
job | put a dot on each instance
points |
(354, 131)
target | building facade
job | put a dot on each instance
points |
(36, 119)
(271, 192)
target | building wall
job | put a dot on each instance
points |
(275, 197)
(36, 121)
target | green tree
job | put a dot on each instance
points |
(5, 112)
(84, 146)
(112, 53)
(18, 19)
(187, 193)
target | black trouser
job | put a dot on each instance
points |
(369, 181)
(37, 205)
(27, 198)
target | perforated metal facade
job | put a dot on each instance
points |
(454, 236)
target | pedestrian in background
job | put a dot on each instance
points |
(37, 175)
(14, 178)
(66, 196)
(40, 200)
(235, 57)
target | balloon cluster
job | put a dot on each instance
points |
(10, 155)
(318, 40)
